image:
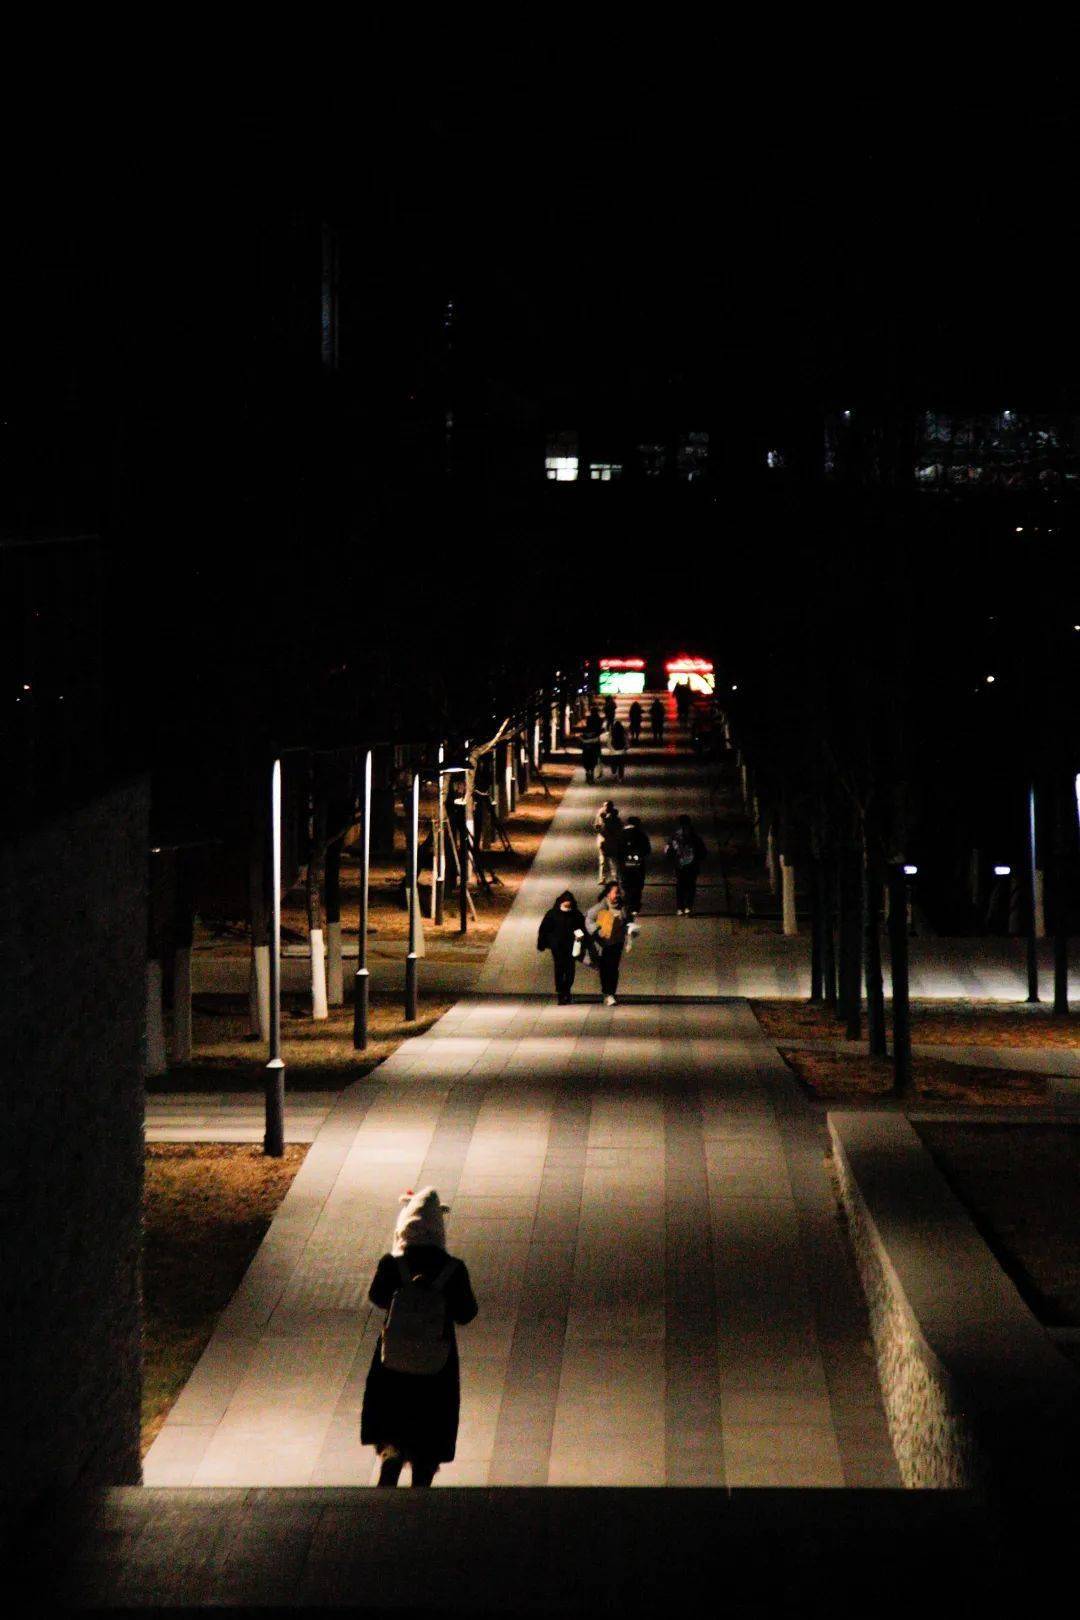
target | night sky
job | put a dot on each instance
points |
(721, 246)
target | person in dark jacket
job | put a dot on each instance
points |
(618, 748)
(686, 852)
(635, 851)
(636, 718)
(561, 929)
(590, 744)
(609, 710)
(656, 719)
(413, 1417)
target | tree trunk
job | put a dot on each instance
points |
(770, 858)
(843, 940)
(1060, 900)
(853, 887)
(828, 935)
(183, 938)
(156, 1058)
(259, 982)
(875, 982)
(335, 967)
(901, 1010)
(790, 916)
(316, 914)
(817, 936)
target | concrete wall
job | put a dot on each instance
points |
(72, 1014)
(975, 1394)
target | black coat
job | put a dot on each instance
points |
(417, 1412)
(556, 932)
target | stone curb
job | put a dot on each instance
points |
(975, 1393)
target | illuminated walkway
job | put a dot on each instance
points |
(642, 1202)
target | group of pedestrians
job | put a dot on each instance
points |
(599, 936)
(605, 740)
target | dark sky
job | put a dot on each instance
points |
(699, 239)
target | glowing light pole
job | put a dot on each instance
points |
(411, 835)
(363, 978)
(274, 1128)
(1032, 885)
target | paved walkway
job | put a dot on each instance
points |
(641, 1198)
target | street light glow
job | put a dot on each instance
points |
(1002, 871)
(910, 871)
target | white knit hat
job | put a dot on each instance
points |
(420, 1220)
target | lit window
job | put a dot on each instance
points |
(604, 471)
(561, 469)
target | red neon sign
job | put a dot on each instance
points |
(624, 663)
(684, 666)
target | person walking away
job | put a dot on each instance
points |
(590, 745)
(562, 932)
(608, 828)
(635, 852)
(605, 749)
(682, 700)
(656, 719)
(636, 718)
(620, 747)
(686, 852)
(609, 925)
(609, 710)
(412, 1397)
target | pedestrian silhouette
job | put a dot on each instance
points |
(412, 1397)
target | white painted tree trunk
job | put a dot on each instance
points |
(156, 1059)
(1040, 906)
(181, 1018)
(319, 1008)
(335, 969)
(259, 992)
(787, 875)
(508, 783)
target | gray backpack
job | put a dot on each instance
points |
(414, 1337)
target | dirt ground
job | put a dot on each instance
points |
(847, 1076)
(318, 1056)
(206, 1208)
(937, 1023)
(1021, 1184)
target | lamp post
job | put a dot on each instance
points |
(411, 834)
(1032, 942)
(363, 978)
(438, 854)
(274, 1128)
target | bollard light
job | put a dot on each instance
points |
(1003, 871)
